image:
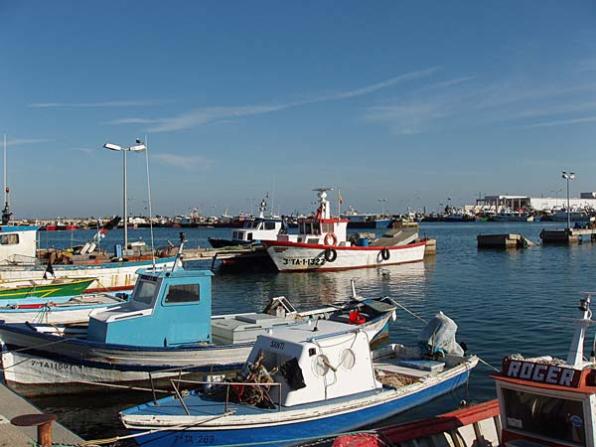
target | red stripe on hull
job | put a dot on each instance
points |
(339, 269)
(339, 247)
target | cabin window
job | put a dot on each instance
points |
(144, 291)
(183, 293)
(269, 225)
(9, 239)
(249, 237)
(555, 418)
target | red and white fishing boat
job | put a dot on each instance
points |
(542, 401)
(322, 245)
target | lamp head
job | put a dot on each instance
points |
(112, 147)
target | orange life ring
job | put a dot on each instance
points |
(331, 236)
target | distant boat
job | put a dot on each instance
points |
(366, 220)
(254, 231)
(512, 216)
(322, 245)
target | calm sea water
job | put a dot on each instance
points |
(503, 302)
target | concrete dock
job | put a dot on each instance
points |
(503, 241)
(12, 405)
(568, 236)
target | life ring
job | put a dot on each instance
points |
(332, 237)
(385, 254)
(330, 255)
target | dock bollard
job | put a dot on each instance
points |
(43, 422)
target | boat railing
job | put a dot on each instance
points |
(228, 385)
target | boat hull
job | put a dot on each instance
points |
(300, 257)
(43, 364)
(10, 295)
(317, 423)
(110, 276)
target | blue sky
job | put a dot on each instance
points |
(412, 101)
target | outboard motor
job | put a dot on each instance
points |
(438, 337)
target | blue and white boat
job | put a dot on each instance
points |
(164, 330)
(306, 382)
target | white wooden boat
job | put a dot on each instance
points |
(299, 384)
(322, 245)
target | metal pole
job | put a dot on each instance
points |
(568, 210)
(125, 203)
(4, 165)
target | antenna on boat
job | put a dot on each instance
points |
(576, 350)
(149, 198)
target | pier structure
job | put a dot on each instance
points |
(11, 406)
(503, 241)
(568, 235)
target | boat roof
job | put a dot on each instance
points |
(175, 273)
(15, 228)
(305, 332)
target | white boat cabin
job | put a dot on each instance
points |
(316, 361)
(259, 229)
(322, 228)
(18, 244)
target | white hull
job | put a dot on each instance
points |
(72, 367)
(50, 317)
(109, 276)
(306, 257)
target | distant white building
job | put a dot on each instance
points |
(586, 200)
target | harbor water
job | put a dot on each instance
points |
(503, 301)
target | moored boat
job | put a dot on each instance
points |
(299, 384)
(74, 310)
(322, 245)
(541, 401)
(57, 289)
(164, 330)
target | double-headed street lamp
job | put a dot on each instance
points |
(568, 176)
(139, 147)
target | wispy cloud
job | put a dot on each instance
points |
(90, 105)
(22, 141)
(186, 162)
(563, 122)
(205, 115)
(84, 150)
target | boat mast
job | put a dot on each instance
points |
(6, 214)
(575, 357)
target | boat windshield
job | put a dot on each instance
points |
(560, 419)
(144, 291)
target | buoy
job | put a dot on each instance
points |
(328, 237)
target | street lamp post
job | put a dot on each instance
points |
(139, 147)
(568, 176)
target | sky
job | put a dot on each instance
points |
(398, 104)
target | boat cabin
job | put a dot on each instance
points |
(322, 228)
(316, 361)
(259, 229)
(18, 244)
(166, 308)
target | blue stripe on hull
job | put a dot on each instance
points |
(288, 434)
